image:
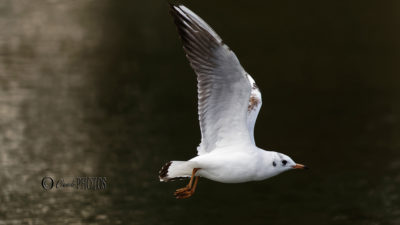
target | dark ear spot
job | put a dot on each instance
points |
(274, 163)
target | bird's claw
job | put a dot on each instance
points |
(183, 193)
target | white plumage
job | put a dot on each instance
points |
(228, 104)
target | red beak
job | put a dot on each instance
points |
(299, 166)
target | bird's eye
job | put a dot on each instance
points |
(273, 163)
(284, 162)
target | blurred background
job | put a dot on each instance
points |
(102, 88)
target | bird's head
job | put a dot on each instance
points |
(283, 162)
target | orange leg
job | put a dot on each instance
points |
(195, 184)
(188, 191)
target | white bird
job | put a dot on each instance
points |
(228, 104)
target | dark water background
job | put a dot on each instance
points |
(102, 88)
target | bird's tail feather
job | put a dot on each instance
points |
(174, 170)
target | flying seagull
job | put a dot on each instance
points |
(228, 104)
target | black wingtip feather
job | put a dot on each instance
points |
(194, 37)
(164, 171)
(171, 5)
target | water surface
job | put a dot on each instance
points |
(102, 88)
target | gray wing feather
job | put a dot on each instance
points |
(223, 87)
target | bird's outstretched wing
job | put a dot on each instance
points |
(227, 98)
